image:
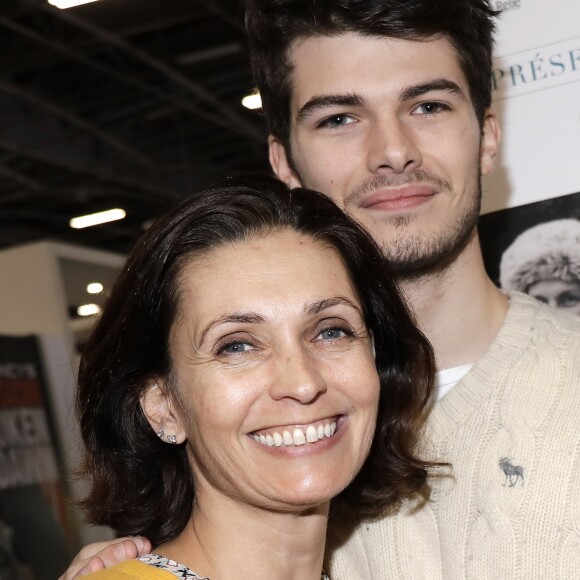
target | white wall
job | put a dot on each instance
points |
(537, 98)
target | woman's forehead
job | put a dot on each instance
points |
(262, 271)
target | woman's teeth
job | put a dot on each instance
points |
(298, 436)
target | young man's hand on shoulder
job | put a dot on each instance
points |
(100, 555)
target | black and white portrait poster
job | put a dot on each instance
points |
(535, 248)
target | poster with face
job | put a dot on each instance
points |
(535, 248)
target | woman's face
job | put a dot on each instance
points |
(275, 384)
(565, 295)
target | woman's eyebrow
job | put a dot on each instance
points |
(321, 305)
(254, 318)
(326, 101)
(249, 317)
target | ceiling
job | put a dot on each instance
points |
(118, 103)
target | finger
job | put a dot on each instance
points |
(99, 555)
(121, 550)
(94, 549)
(93, 565)
(143, 545)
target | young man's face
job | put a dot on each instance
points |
(387, 129)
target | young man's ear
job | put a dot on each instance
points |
(158, 407)
(490, 138)
(279, 163)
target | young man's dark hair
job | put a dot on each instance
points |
(274, 25)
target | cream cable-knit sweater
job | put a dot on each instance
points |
(510, 510)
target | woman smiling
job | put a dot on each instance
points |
(232, 386)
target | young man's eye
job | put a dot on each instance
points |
(336, 121)
(430, 108)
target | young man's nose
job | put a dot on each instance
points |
(391, 147)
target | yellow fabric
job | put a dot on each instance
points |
(131, 569)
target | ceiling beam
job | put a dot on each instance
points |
(156, 64)
(38, 135)
(78, 122)
(21, 179)
(72, 53)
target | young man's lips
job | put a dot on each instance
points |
(398, 198)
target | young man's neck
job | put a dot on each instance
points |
(460, 310)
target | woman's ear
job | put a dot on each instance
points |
(158, 407)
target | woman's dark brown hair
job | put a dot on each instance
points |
(143, 486)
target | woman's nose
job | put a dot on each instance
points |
(299, 376)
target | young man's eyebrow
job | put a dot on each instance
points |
(419, 90)
(354, 100)
(325, 101)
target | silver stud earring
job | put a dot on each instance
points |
(160, 433)
(172, 439)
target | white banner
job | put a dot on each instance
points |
(537, 98)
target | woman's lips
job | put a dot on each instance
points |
(298, 435)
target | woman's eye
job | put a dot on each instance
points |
(333, 333)
(235, 347)
(336, 121)
(568, 300)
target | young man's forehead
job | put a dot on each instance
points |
(322, 62)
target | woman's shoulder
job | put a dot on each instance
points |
(151, 567)
(129, 571)
(147, 567)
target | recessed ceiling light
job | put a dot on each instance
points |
(94, 288)
(88, 309)
(94, 219)
(252, 101)
(69, 3)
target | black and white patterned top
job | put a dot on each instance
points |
(181, 571)
(172, 566)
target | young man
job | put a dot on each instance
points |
(384, 105)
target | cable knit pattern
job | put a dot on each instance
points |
(510, 509)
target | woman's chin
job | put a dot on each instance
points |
(306, 494)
